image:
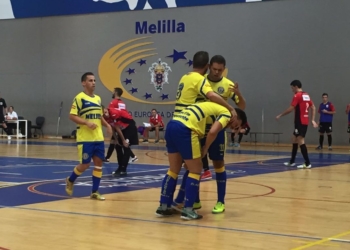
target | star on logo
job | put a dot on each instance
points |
(164, 96)
(141, 62)
(147, 96)
(130, 71)
(133, 90)
(178, 55)
(190, 62)
(127, 81)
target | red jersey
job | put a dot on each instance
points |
(117, 104)
(301, 103)
(120, 118)
(157, 119)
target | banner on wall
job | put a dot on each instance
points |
(42, 8)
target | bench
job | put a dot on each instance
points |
(266, 133)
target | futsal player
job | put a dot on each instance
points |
(301, 104)
(117, 103)
(182, 137)
(87, 113)
(127, 136)
(326, 111)
(223, 87)
(244, 130)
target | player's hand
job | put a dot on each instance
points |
(278, 117)
(324, 111)
(91, 125)
(236, 89)
(234, 115)
(125, 144)
(314, 124)
(242, 131)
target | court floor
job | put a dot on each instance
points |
(268, 205)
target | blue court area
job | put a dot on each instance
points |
(27, 180)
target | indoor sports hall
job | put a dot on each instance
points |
(144, 47)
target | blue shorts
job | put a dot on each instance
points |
(180, 139)
(217, 148)
(86, 150)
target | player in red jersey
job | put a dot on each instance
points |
(118, 103)
(301, 104)
(126, 128)
(243, 130)
(157, 125)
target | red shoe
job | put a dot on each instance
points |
(206, 175)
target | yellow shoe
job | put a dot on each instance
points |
(219, 208)
(97, 196)
(197, 205)
(69, 187)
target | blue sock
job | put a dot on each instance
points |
(75, 174)
(192, 188)
(168, 188)
(181, 194)
(170, 201)
(197, 197)
(96, 179)
(221, 178)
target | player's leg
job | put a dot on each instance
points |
(99, 152)
(133, 157)
(291, 162)
(217, 154)
(191, 153)
(232, 139)
(175, 164)
(146, 134)
(349, 132)
(85, 152)
(303, 148)
(321, 130)
(240, 136)
(157, 135)
(179, 200)
(329, 135)
(110, 149)
(206, 172)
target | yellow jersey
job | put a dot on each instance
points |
(194, 116)
(221, 88)
(89, 108)
(191, 85)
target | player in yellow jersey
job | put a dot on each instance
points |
(182, 137)
(87, 113)
(194, 84)
(222, 86)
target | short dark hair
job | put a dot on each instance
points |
(218, 59)
(324, 94)
(296, 83)
(200, 59)
(154, 110)
(84, 77)
(12, 107)
(241, 115)
(118, 91)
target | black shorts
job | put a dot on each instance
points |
(325, 127)
(300, 130)
(160, 129)
(131, 134)
(349, 128)
(2, 119)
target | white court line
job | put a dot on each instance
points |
(10, 173)
(83, 177)
(340, 240)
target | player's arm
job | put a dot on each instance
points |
(286, 112)
(237, 97)
(220, 123)
(313, 114)
(332, 109)
(213, 132)
(119, 132)
(105, 124)
(206, 90)
(347, 110)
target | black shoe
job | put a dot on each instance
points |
(163, 213)
(119, 173)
